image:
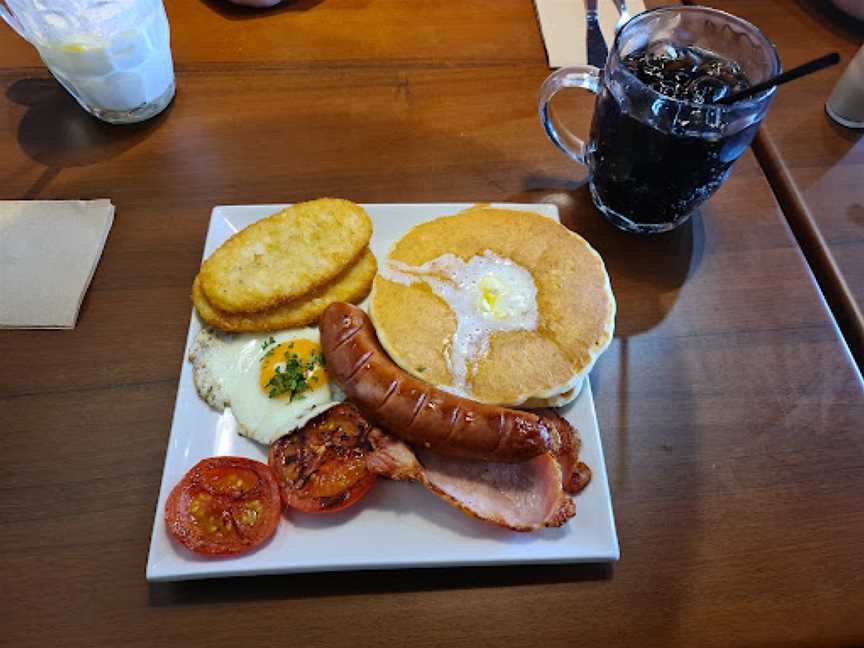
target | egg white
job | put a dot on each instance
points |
(226, 370)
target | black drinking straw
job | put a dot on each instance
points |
(790, 75)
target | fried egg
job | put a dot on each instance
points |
(487, 294)
(273, 382)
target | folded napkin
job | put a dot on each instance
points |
(48, 252)
(562, 23)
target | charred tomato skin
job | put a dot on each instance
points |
(321, 468)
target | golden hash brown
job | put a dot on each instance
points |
(285, 255)
(351, 286)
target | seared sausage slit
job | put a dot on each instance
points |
(451, 427)
(505, 427)
(421, 403)
(357, 367)
(347, 338)
(455, 415)
(390, 391)
(502, 434)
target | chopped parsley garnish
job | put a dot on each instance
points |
(421, 369)
(296, 377)
(266, 343)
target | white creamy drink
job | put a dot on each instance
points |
(114, 57)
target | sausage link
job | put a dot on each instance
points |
(415, 411)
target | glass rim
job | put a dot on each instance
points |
(749, 102)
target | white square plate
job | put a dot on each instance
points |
(397, 525)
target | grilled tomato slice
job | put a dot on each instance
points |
(224, 506)
(321, 468)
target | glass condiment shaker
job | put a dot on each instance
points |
(846, 103)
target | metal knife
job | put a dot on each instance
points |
(596, 44)
(623, 15)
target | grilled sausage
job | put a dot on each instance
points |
(414, 410)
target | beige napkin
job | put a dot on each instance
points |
(562, 23)
(48, 252)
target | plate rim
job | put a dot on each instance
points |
(608, 554)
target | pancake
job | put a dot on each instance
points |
(531, 298)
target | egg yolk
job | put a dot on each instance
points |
(285, 357)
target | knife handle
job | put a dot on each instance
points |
(586, 77)
(595, 45)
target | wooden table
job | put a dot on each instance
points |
(815, 165)
(729, 407)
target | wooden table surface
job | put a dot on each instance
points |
(816, 165)
(730, 410)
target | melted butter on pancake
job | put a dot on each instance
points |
(543, 366)
(487, 294)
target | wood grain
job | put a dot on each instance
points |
(308, 33)
(729, 408)
(816, 165)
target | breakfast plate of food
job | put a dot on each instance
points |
(387, 386)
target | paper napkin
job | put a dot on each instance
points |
(562, 23)
(48, 252)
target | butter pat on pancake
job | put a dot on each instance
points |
(286, 255)
(487, 294)
(351, 286)
(518, 360)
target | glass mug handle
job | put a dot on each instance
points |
(586, 77)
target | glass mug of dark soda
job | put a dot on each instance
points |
(660, 142)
